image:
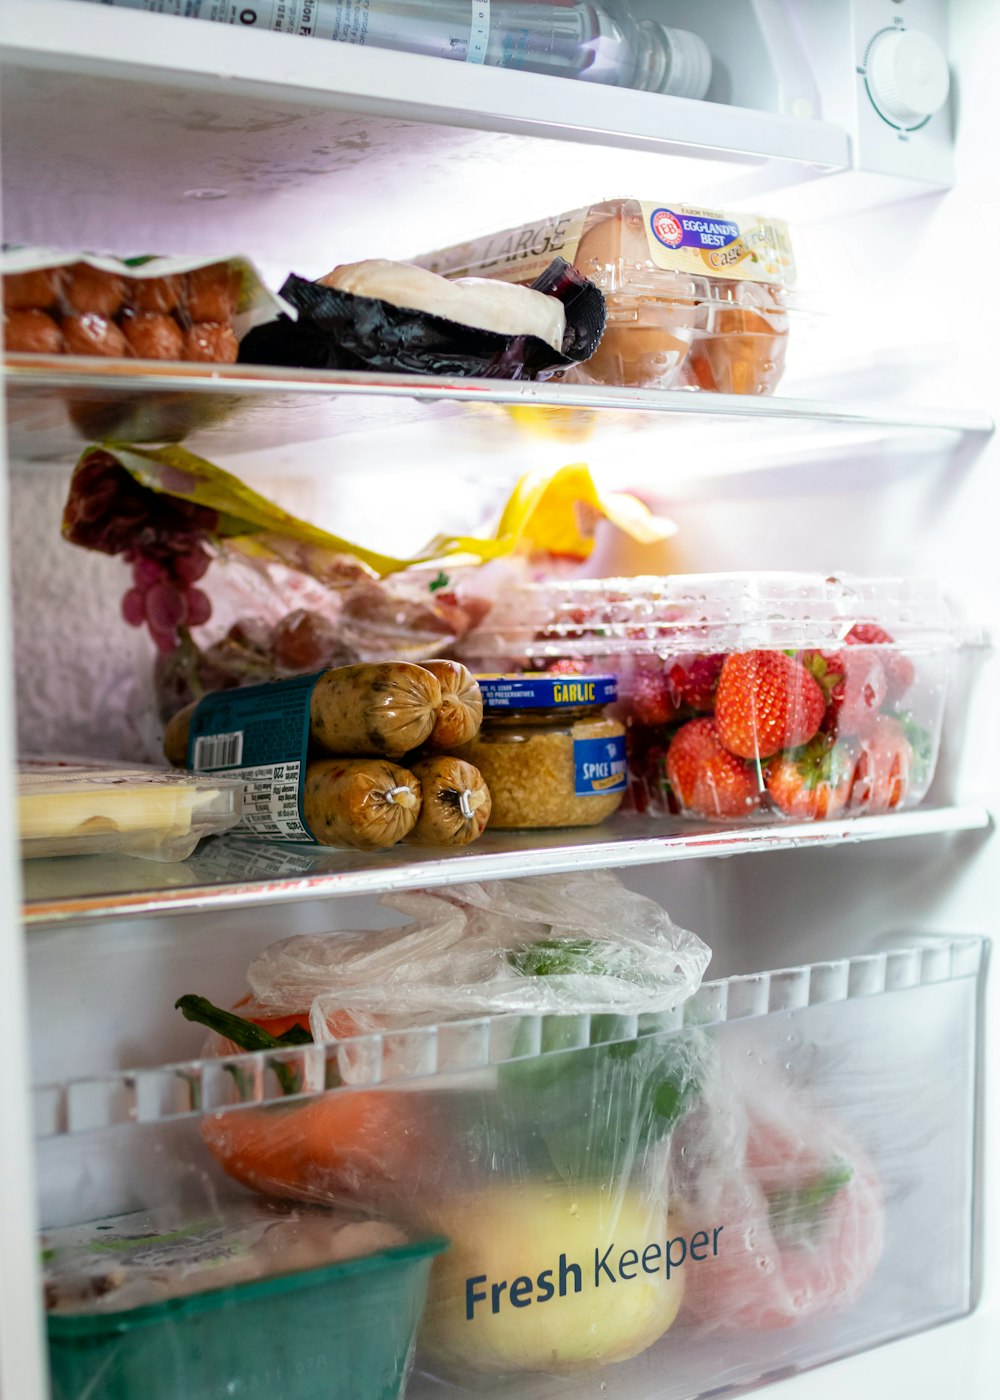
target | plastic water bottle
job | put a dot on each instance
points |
(566, 38)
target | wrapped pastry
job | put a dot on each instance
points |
(143, 309)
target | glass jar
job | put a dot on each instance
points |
(549, 754)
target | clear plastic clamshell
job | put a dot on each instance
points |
(71, 808)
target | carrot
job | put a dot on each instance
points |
(343, 1143)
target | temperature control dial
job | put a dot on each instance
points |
(908, 77)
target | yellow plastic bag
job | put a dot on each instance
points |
(548, 512)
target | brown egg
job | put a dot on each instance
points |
(153, 337)
(213, 293)
(212, 343)
(88, 289)
(157, 295)
(93, 335)
(25, 290)
(651, 312)
(743, 349)
(614, 246)
(644, 343)
(32, 333)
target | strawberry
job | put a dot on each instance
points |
(855, 686)
(899, 669)
(766, 701)
(569, 624)
(693, 681)
(705, 778)
(885, 769)
(813, 781)
(650, 699)
(566, 666)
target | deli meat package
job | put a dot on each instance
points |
(65, 303)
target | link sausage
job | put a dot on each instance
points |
(456, 802)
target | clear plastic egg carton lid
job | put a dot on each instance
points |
(717, 611)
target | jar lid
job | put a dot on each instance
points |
(538, 690)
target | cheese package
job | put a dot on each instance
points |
(696, 298)
(70, 808)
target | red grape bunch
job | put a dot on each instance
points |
(162, 537)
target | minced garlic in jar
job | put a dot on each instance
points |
(547, 752)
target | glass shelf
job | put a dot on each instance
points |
(57, 405)
(232, 871)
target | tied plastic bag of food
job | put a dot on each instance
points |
(287, 597)
(803, 1206)
(547, 944)
(339, 329)
(559, 1149)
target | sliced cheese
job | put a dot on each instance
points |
(67, 808)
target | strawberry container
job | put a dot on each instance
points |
(696, 298)
(751, 696)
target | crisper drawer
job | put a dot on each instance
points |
(779, 1173)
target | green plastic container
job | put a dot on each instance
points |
(342, 1332)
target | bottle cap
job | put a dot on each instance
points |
(689, 70)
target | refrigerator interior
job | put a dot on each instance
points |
(904, 317)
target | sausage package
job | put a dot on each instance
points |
(66, 303)
(321, 758)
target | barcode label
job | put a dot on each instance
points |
(218, 751)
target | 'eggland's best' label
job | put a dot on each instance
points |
(739, 247)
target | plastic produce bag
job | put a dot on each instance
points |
(803, 1206)
(532, 1164)
(289, 598)
(547, 944)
